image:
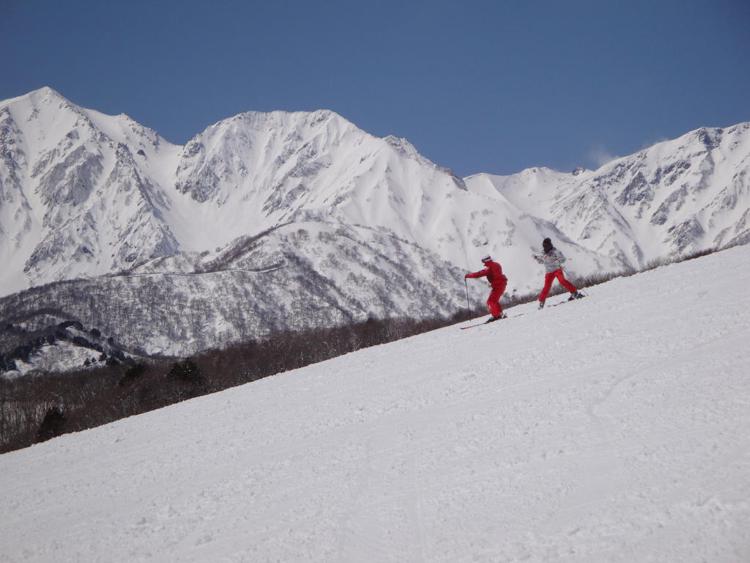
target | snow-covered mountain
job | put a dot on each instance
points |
(682, 195)
(80, 192)
(89, 194)
(279, 281)
(588, 432)
(352, 225)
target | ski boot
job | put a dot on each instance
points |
(493, 319)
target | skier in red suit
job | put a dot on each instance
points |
(494, 274)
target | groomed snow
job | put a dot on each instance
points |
(616, 428)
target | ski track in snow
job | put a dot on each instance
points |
(614, 428)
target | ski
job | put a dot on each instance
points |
(472, 326)
(568, 301)
(504, 317)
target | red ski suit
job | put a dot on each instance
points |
(549, 277)
(494, 274)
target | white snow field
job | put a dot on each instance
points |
(614, 428)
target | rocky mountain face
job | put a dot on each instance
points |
(77, 196)
(270, 221)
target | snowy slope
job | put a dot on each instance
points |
(609, 429)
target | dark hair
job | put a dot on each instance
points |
(547, 245)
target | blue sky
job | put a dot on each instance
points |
(491, 86)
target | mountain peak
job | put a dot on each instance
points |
(35, 97)
(48, 95)
(45, 91)
(282, 118)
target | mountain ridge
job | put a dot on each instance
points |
(84, 196)
(250, 173)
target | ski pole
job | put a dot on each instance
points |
(466, 285)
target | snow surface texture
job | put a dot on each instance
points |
(609, 429)
(362, 225)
